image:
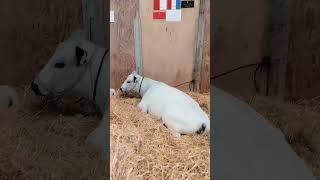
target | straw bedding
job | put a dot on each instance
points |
(142, 148)
(38, 143)
(299, 122)
(44, 140)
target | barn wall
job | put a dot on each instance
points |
(122, 54)
(304, 53)
(29, 33)
(237, 40)
(167, 47)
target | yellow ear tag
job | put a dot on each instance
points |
(84, 59)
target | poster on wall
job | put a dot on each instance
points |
(159, 15)
(167, 9)
(187, 4)
(173, 15)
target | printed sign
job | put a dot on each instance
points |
(163, 4)
(174, 4)
(166, 4)
(159, 15)
(167, 9)
(111, 16)
(187, 4)
(156, 4)
(173, 15)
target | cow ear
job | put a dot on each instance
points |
(81, 56)
(134, 79)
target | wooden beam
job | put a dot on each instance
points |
(94, 19)
(280, 28)
(198, 59)
(137, 40)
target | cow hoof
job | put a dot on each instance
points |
(177, 135)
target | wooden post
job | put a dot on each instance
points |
(279, 29)
(198, 59)
(94, 21)
(137, 40)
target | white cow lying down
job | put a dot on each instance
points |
(80, 66)
(178, 111)
(8, 97)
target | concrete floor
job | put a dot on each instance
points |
(245, 146)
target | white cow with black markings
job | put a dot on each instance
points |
(80, 66)
(178, 111)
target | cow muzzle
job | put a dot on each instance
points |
(35, 89)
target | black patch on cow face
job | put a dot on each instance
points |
(134, 79)
(81, 56)
(201, 129)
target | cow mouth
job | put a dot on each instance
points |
(36, 90)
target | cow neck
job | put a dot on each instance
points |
(144, 85)
(99, 72)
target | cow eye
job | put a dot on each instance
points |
(60, 65)
(128, 81)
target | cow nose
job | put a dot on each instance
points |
(121, 90)
(35, 88)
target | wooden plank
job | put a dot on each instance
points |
(122, 43)
(304, 53)
(205, 71)
(94, 21)
(280, 12)
(198, 59)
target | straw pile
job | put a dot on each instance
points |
(37, 142)
(142, 148)
(299, 122)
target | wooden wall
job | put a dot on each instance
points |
(238, 31)
(168, 47)
(29, 33)
(304, 52)
(122, 54)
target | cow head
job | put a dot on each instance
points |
(66, 67)
(131, 83)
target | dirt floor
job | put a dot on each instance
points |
(45, 140)
(142, 148)
(299, 122)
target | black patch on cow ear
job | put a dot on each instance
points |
(81, 56)
(134, 79)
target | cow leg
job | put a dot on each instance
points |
(175, 134)
(98, 138)
(143, 107)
